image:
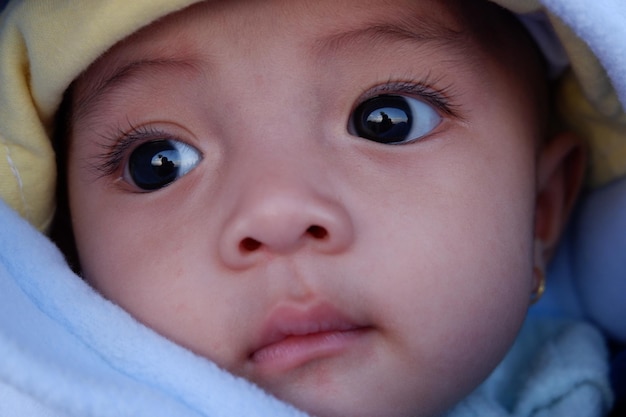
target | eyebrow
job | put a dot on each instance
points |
(119, 76)
(412, 29)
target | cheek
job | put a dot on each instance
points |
(458, 316)
(457, 278)
(464, 280)
(120, 253)
(126, 250)
(156, 272)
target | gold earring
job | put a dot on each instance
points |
(540, 287)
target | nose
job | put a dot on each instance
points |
(279, 217)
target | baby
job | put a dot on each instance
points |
(343, 203)
(349, 203)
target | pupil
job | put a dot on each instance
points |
(154, 165)
(385, 119)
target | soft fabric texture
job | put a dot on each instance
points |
(555, 369)
(66, 351)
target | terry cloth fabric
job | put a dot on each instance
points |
(66, 351)
(556, 368)
(45, 44)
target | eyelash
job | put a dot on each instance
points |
(441, 98)
(119, 144)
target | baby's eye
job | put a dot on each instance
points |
(155, 164)
(394, 119)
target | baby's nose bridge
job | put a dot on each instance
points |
(283, 192)
(278, 98)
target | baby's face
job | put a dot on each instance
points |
(332, 199)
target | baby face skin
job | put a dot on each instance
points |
(335, 200)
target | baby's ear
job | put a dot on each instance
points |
(560, 173)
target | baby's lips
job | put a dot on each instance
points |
(301, 322)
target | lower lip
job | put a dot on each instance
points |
(298, 350)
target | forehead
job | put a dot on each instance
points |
(317, 18)
(321, 23)
(324, 28)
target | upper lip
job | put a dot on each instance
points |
(294, 320)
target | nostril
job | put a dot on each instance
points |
(249, 244)
(317, 232)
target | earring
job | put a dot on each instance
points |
(540, 285)
(539, 273)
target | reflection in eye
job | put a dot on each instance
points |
(394, 119)
(155, 164)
